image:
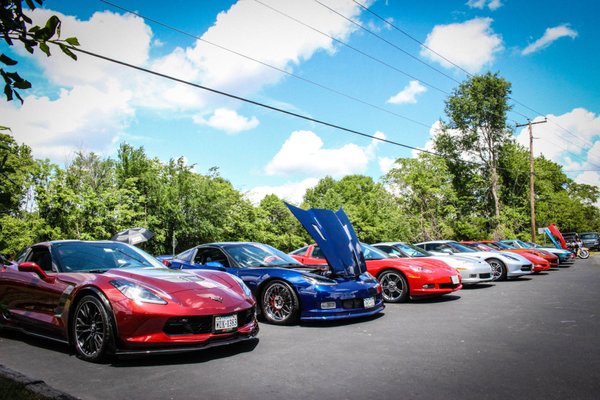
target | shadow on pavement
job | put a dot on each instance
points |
(478, 286)
(190, 357)
(433, 300)
(341, 322)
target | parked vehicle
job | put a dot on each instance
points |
(503, 265)
(565, 257)
(400, 278)
(288, 291)
(591, 240)
(538, 261)
(107, 298)
(471, 271)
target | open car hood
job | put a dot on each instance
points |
(336, 238)
(554, 240)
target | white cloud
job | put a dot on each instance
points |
(471, 44)
(550, 35)
(291, 192)
(228, 121)
(581, 130)
(481, 4)
(408, 95)
(85, 85)
(83, 118)
(386, 164)
(303, 153)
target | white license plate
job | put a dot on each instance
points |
(226, 322)
(369, 302)
(455, 279)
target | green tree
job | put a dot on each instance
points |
(477, 129)
(369, 206)
(423, 188)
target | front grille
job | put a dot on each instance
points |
(485, 276)
(353, 303)
(447, 285)
(526, 267)
(245, 317)
(188, 325)
(201, 324)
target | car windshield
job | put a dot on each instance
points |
(460, 248)
(589, 235)
(249, 255)
(411, 250)
(100, 256)
(372, 253)
(500, 245)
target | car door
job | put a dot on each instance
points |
(34, 301)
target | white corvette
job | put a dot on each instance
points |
(471, 271)
(504, 265)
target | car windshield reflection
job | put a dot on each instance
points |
(100, 256)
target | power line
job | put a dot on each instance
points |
(353, 48)
(256, 103)
(272, 108)
(465, 71)
(283, 71)
(388, 42)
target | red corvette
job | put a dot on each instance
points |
(399, 277)
(538, 261)
(107, 298)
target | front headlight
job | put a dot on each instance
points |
(421, 269)
(244, 287)
(137, 293)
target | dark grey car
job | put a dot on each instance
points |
(591, 240)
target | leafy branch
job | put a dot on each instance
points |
(15, 27)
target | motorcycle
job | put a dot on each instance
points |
(579, 250)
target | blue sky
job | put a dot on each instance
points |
(548, 50)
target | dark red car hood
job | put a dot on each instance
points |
(161, 279)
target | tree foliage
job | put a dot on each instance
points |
(16, 27)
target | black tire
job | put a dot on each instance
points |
(394, 286)
(92, 330)
(279, 303)
(498, 269)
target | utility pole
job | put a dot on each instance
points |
(532, 175)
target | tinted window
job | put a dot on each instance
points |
(317, 253)
(211, 254)
(101, 256)
(257, 255)
(41, 256)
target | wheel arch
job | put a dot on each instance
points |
(261, 288)
(94, 291)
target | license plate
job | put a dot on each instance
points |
(226, 322)
(454, 279)
(369, 302)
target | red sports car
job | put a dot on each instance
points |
(399, 277)
(539, 263)
(108, 298)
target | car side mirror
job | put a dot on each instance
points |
(447, 251)
(216, 265)
(36, 269)
(393, 256)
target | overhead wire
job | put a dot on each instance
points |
(390, 24)
(355, 49)
(281, 70)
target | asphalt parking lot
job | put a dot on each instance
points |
(531, 338)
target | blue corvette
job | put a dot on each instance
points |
(287, 290)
